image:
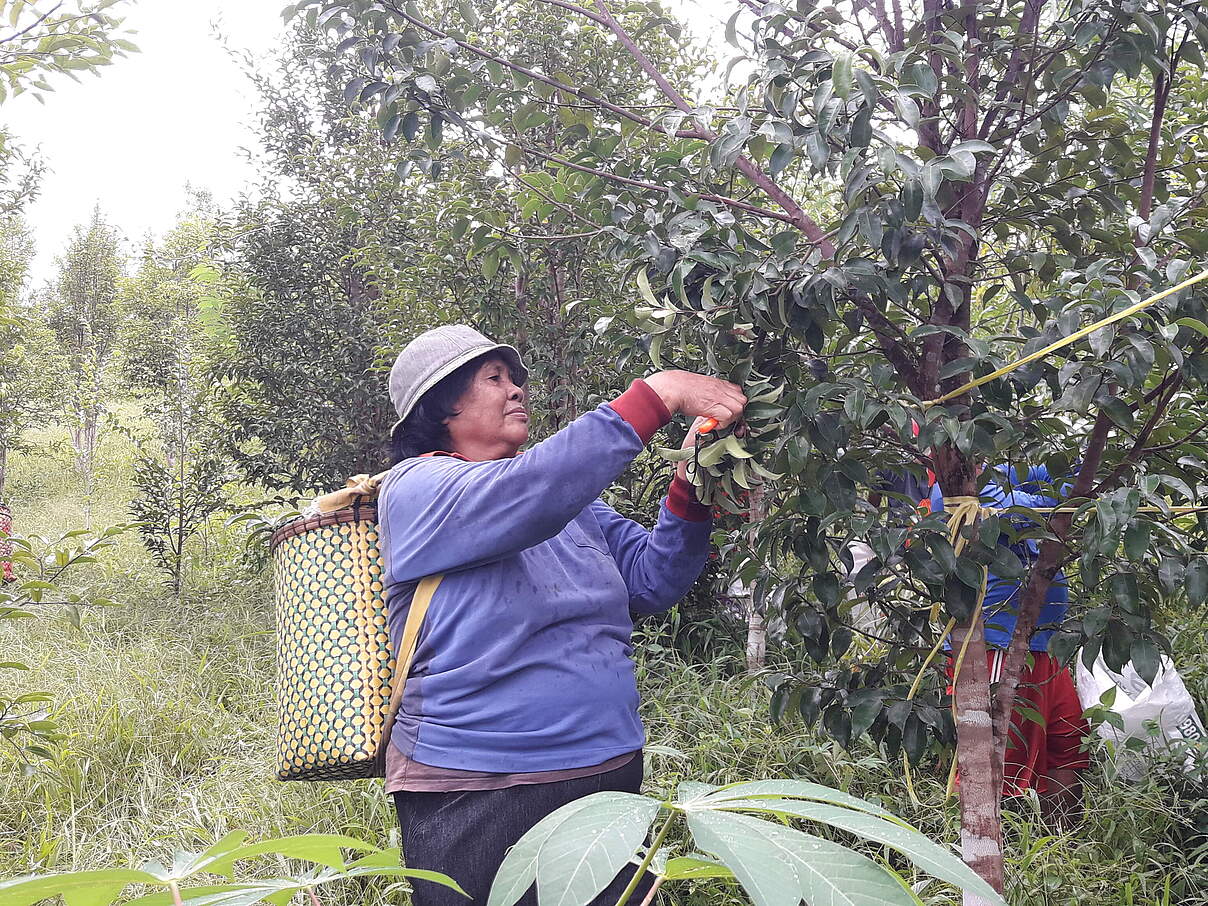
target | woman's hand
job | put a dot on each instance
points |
(681, 469)
(698, 395)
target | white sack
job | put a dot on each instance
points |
(1167, 704)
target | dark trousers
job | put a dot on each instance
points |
(466, 834)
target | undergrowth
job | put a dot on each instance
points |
(167, 710)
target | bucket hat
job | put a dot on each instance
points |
(434, 355)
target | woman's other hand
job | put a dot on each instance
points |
(681, 469)
(698, 395)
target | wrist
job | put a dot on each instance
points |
(662, 384)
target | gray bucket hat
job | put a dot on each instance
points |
(434, 355)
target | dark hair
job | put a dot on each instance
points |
(424, 429)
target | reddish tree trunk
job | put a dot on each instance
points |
(977, 758)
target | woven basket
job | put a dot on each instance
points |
(334, 657)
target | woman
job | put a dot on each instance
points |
(521, 695)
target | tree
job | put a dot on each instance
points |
(85, 316)
(353, 247)
(44, 573)
(26, 384)
(45, 37)
(178, 472)
(993, 176)
(20, 176)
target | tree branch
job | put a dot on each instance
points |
(797, 215)
(653, 187)
(42, 18)
(541, 77)
(1142, 438)
(1028, 24)
(574, 8)
(1039, 581)
(899, 31)
(898, 354)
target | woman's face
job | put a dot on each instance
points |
(492, 419)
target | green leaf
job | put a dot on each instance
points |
(645, 290)
(1118, 411)
(323, 849)
(520, 866)
(410, 126)
(781, 155)
(591, 846)
(780, 866)
(841, 74)
(931, 857)
(1136, 539)
(707, 797)
(1117, 645)
(687, 868)
(1146, 659)
(78, 888)
(1198, 326)
(908, 110)
(1196, 581)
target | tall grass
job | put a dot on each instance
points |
(168, 713)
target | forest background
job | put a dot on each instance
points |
(233, 366)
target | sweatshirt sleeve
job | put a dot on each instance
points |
(1003, 499)
(659, 565)
(440, 514)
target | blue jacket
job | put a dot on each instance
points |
(1001, 609)
(524, 661)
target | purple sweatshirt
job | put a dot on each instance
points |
(523, 663)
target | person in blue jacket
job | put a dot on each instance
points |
(521, 696)
(1044, 749)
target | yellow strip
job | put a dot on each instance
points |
(962, 511)
(1066, 341)
(1173, 510)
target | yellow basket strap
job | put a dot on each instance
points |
(402, 663)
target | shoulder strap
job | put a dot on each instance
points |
(402, 662)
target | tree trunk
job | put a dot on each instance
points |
(977, 760)
(757, 630)
(757, 637)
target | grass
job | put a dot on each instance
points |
(167, 706)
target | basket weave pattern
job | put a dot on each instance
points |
(335, 661)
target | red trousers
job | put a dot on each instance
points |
(6, 545)
(1047, 727)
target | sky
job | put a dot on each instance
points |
(132, 138)
(175, 114)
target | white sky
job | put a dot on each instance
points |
(132, 138)
(172, 115)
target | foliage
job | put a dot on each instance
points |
(43, 38)
(570, 858)
(167, 713)
(20, 176)
(42, 566)
(26, 383)
(323, 851)
(393, 245)
(173, 503)
(299, 321)
(574, 852)
(178, 473)
(1032, 154)
(83, 312)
